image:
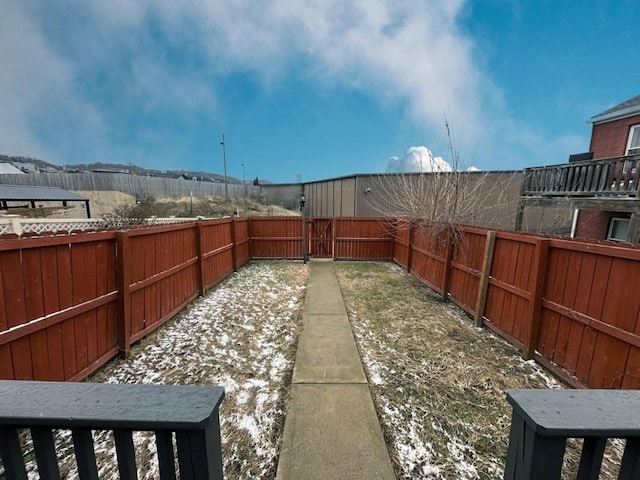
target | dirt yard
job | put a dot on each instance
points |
(438, 382)
(242, 336)
(110, 203)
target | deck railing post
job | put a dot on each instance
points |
(200, 451)
(123, 281)
(544, 419)
(191, 412)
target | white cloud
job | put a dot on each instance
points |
(417, 159)
(31, 78)
(410, 51)
(399, 51)
(84, 66)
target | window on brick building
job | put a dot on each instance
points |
(618, 229)
(633, 144)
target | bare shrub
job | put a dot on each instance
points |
(130, 216)
(445, 199)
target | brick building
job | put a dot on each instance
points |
(615, 133)
(600, 185)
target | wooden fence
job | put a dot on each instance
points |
(363, 238)
(572, 305)
(70, 303)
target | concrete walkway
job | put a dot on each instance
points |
(331, 430)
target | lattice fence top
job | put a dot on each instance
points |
(68, 226)
(20, 226)
(5, 228)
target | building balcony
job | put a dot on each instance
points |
(615, 178)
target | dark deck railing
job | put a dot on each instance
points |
(543, 420)
(189, 412)
(611, 177)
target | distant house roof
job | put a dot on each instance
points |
(627, 108)
(43, 194)
(8, 168)
(109, 170)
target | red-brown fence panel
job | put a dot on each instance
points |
(428, 256)
(363, 239)
(241, 242)
(572, 304)
(466, 266)
(510, 285)
(217, 250)
(402, 243)
(590, 314)
(319, 233)
(276, 237)
(57, 306)
(164, 274)
(68, 302)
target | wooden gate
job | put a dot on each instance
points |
(321, 237)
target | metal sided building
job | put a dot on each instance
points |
(367, 195)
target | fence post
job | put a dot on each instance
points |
(394, 235)
(200, 253)
(448, 257)
(534, 310)
(487, 261)
(249, 235)
(16, 225)
(412, 231)
(234, 243)
(123, 281)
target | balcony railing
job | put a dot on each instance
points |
(188, 412)
(611, 177)
(543, 420)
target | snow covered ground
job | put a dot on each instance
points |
(241, 335)
(438, 382)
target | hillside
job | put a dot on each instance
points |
(129, 190)
(29, 164)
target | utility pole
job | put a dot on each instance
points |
(244, 183)
(224, 159)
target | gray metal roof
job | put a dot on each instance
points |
(23, 192)
(9, 168)
(625, 109)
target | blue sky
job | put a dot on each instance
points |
(312, 88)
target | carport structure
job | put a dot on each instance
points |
(31, 194)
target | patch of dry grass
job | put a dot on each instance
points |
(438, 381)
(241, 335)
(215, 206)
